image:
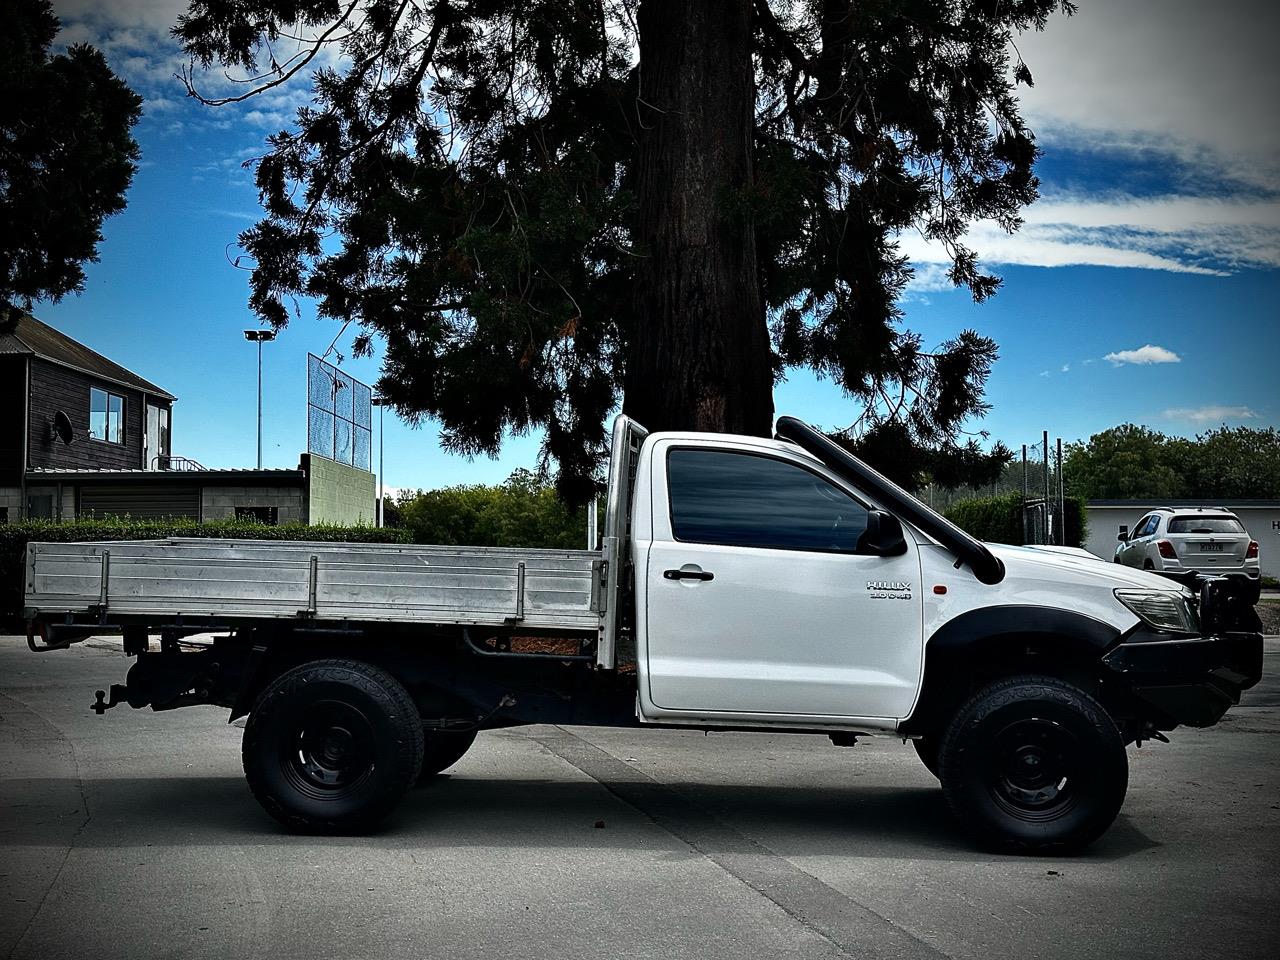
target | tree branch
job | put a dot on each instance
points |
(188, 71)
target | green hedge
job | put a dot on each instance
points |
(999, 519)
(14, 538)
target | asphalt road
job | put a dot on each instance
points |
(133, 835)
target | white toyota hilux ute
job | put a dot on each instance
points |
(741, 583)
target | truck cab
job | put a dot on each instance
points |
(766, 592)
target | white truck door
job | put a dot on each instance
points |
(757, 601)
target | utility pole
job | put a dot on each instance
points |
(259, 337)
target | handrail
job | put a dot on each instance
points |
(176, 464)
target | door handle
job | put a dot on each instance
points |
(687, 575)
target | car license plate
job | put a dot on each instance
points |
(1210, 548)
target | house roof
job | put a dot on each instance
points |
(34, 338)
(238, 475)
(271, 476)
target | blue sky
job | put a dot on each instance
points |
(1143, 287)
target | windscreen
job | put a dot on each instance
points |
(1205, 525)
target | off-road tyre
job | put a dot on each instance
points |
(1033, 764)
(332, 746)
(442, 750)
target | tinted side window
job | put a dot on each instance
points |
(1145, 526)
(743, 500)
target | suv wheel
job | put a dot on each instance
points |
(1034, 763)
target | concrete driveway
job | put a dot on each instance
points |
(133, 835)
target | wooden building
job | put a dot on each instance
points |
(81, 435)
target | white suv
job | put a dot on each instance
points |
(1184, 541)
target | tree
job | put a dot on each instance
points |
(66, 157)
(521, 512)
(545, 205)
(1128, 462)
(891, 449)
(1229, 462)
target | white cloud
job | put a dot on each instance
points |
(134, 37)
(1147, 354)
(1193, 80)
(1066, 368)
(1213, 413)
(929, 277)
(1204, 235)
(1181, 87)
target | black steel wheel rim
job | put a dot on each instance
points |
(330, 752)
(1035, 769)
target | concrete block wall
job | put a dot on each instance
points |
(219, 503)
(11, 500)
(340, 494)
(68, 494)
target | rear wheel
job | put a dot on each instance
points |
(1034, 763)
(332, 746)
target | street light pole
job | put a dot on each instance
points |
(259, 337)
(381, 404)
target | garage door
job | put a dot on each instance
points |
(148, 501)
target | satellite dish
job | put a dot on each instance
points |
(62, 428)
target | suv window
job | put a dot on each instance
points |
(1147, 526)
(747, 500)
(1205, 525)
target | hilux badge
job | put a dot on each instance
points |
(889, 589)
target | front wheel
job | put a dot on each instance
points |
(332, 746)
(1034, 764)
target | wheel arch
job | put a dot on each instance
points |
(981, 645)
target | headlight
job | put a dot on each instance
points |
(1163, 610)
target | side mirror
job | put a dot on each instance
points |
(1123, 536)
(883, 536)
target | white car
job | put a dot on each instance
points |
(1186, 542)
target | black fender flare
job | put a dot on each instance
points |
(984, 637)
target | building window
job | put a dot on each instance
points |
(4, 514)
(268, 515)
(106, 416)
(165, 449)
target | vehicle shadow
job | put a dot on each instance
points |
(460, 811)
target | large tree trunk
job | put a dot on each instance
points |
(699, 356)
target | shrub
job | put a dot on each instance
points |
(14, 538)
(999, 519)
(522, 512)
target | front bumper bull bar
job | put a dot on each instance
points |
(1188, 680)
